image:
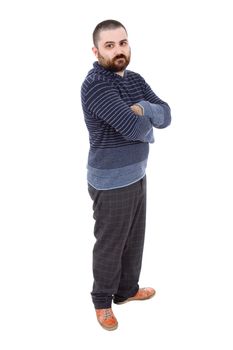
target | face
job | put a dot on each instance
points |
(113, 50)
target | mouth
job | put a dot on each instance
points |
(119, 58)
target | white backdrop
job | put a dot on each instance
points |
(183, 50)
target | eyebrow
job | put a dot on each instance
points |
(113, 42)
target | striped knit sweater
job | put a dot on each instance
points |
(119, 139)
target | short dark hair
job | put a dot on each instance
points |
(105, 25)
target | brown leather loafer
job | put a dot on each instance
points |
(106, 319)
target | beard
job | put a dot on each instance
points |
(116, 64)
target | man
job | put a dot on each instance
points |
(120, 111)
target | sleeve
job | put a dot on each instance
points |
(154, 108)
(103, 102)
(159, 114)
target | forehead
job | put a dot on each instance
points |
(114, 35)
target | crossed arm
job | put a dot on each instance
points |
(159, 114)
(138, 110)
(135, 123)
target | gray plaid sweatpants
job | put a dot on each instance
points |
(120, 217)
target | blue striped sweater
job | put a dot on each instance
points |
(119, 139)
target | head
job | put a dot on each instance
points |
(111, 46)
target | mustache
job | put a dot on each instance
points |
(120, 56)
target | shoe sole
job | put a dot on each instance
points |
(133, 299)
(109, 328)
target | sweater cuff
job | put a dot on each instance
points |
(153, 111)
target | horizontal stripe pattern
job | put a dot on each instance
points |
(106, 99)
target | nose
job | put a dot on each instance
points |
(119, 50)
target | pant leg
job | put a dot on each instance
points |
(114, 214)
(133, 251)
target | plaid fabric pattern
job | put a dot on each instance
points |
(120, 216)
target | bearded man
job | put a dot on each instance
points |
(120, 111)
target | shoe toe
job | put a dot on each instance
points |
(106, 319)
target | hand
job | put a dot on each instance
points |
(137, 110)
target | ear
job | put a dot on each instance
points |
(95, 51)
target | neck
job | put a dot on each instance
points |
(121, 73)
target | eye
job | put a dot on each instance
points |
(109, 46)
(124, 43)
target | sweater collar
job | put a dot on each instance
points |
(102, 70)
